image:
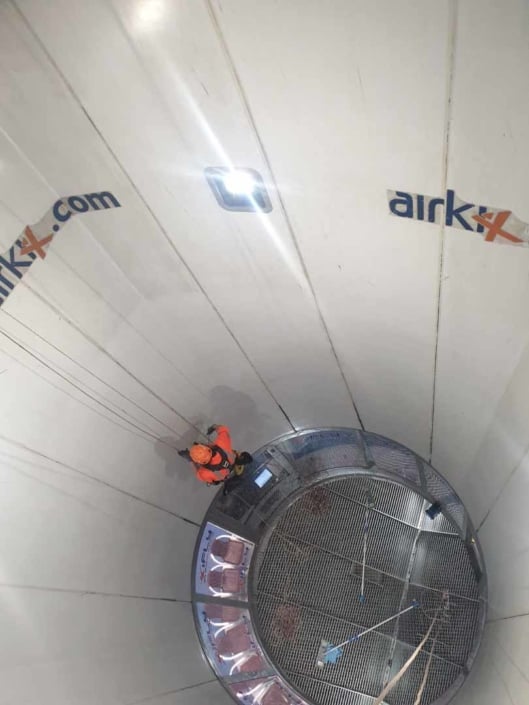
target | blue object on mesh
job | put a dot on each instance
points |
(362, 598)
(434, 510)
(332, 656)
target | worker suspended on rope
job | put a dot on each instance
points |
(217, 462)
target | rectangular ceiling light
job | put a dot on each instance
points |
(238, 189)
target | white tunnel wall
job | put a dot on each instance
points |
(147, 322)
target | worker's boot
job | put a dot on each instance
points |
(241, 459)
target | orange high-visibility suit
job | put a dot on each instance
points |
(222, 460)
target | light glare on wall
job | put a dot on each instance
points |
(239, 183)
(238, 188)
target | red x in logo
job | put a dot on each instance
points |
(494, 223)
(31, 244)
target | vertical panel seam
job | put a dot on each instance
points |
(98, 480)
(147, 206)
(172, 692)
(246, 104)
(452, 40)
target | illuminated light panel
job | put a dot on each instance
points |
(238, 189)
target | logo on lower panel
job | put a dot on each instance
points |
(32, 244)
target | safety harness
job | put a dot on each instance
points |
(224, 464)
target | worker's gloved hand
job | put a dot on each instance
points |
(184, 453)
(211, 429)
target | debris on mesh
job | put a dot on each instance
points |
(286, 621)
(297, 553)
(317, 501)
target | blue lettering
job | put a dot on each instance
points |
(452, 212)
(78, 204)
(431, 208)
(61, 217)
(420, 207)
(6, 282)
(404, 200)
(102, 200)
(12, 264)
(481, 211)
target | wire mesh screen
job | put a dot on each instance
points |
(388, 498)
(437, 678)
(312, 571)
(320, 691)
(392, 457)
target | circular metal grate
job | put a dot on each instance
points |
(307, 582)
(279, 567)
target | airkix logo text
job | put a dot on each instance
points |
(33, 243)
(496, 224)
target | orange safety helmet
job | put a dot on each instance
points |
(200, 454)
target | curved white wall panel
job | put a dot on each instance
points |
(145, 323)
